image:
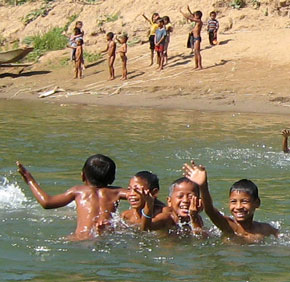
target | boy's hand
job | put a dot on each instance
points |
(285, 132)
(195, 206)
(195, 173)
(146, 196)
(24, 172)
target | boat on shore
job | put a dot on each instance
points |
(9, 57)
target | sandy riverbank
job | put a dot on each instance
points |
(247, 72)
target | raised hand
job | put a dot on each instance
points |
(145, 195)
(285, 132)
(195, 173)
(195, 206)
(24, 172)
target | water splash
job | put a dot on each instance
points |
(11, 195)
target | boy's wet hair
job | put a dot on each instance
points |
(198, 14)
(151, 178)
(154, 15)
(79, 22)
(246, 186)
(125, 37)
(166, 18)
(212, 13)
(110, 35)
(80, 40)
(181, 180)
(99, 170)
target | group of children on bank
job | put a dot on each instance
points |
(159, 39)
(96, 201)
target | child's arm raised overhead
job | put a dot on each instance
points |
(198, 175)
(45, 200)
(188, 17)
(286, 134)
(143, 15)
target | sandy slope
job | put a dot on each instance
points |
(248, 71)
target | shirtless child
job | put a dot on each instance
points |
(244, 200)
(98, 172)
(111, 50)
(143, 181)
(183, 209)
(123, 51)
(196, 17)
(286, 134)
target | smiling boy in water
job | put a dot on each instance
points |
(244, 200)
(184, 205)
(97, 174)
(142, 181)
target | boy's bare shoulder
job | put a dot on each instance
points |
(266, 229)
(126, 214)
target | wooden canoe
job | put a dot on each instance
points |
(13, 56)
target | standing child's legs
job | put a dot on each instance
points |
(111, 61)
(197, 55)
(152, 47)
(124, 65)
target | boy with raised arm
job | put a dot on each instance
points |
(98, 172)
(183, 209)
(111, 51)
(142, 182)
(244, 200)
(196, 17)
(286, 134)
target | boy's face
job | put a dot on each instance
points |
(109, 38)
(213, 16)
(181, 198)
(79, 25)
(242, 205)
(155, 17)
(135, 187)
(160, 24)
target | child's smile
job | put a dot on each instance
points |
(242, 205)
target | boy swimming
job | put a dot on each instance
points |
(244, 200)
(183, 209)
(98, 173)
(143, 181)
(286, 134)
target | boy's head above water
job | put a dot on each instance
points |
(244, 199)
(142, 180)
(181, 193)
(99, 170)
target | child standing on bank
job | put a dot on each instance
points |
(169, 29)
(160, 37)
(79, 59)
(111, 50)
(123, 51)
(212, 28)
(153, 28)
(78, 34)
(243, 202)
(196, 17)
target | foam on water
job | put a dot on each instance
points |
(11, 195)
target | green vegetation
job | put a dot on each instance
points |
(238, 4)
(52, 40)
(70, 20)
(21, 2)
(92, 57)
(33, 15)
(134, 41)
(107, 19)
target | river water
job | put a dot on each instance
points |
(53, 141)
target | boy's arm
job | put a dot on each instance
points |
(45, 200)
(106, 50)
(189, 17)
(188, 9)
(286, 134)
(198, 175)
